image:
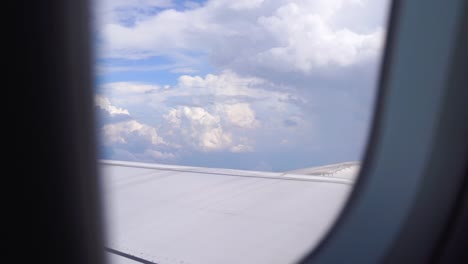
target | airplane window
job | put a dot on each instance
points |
(231, 131)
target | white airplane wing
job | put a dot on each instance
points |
(177, 214)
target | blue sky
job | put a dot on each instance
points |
(248, 84)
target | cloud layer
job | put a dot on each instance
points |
(285, 36)
(202, 114)
(231, 77)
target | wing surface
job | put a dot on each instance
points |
(177, 214)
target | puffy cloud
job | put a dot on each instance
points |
(213, 131)
(285, 36)
(307, 41)
(104, 103)
(206, 114)
(227, 83)
(227, 91)
(212, 113)
(240, 115)
(223, 85)
(127, 138)
(128, 131)
(109, 113)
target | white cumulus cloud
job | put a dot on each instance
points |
(104, 103)
(215, 112)
(219, 128)
(127, 131)
(307, 41)
(287, 36)
(199, 128)
(240, 114)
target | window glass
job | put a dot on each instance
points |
(280, 86)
